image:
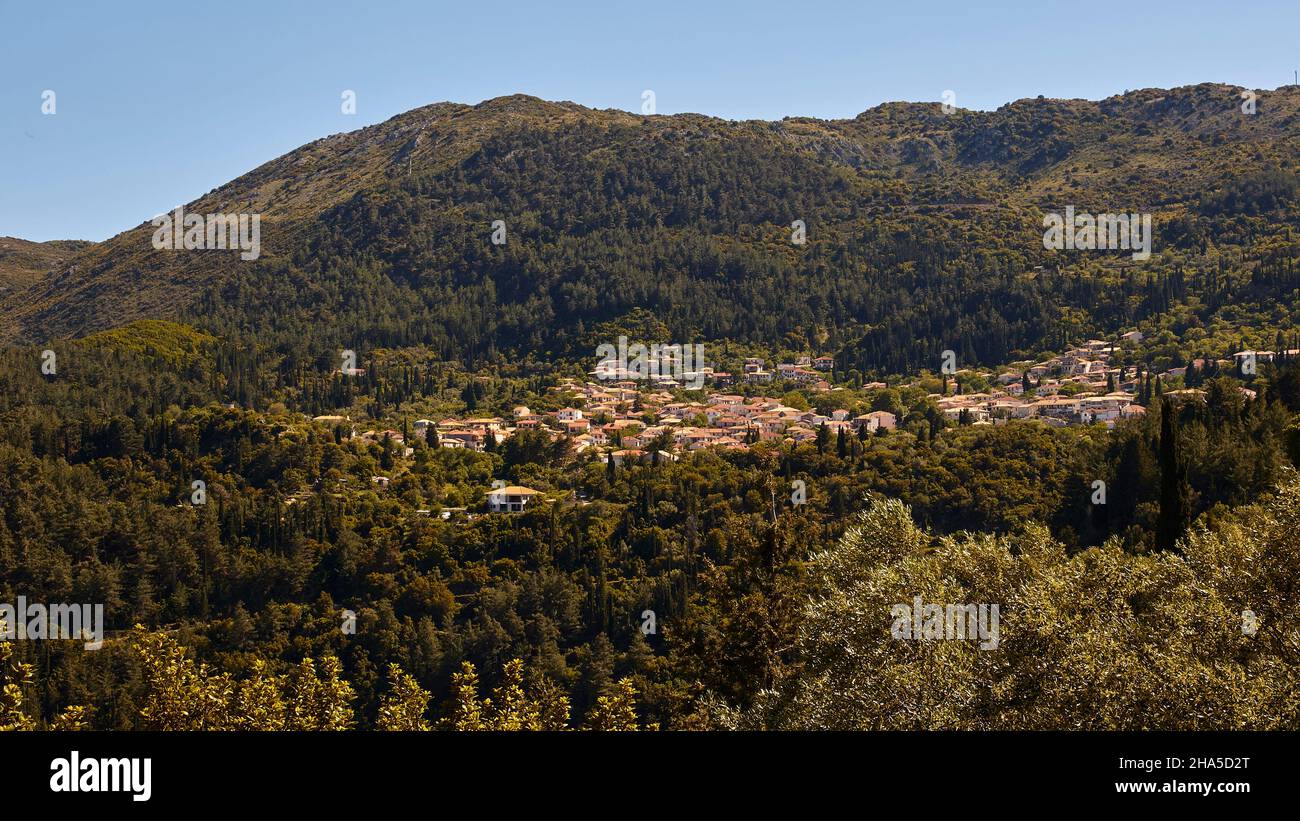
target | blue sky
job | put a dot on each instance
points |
(159, 103)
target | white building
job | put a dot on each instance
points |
(511, 499)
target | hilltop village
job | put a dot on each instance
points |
(633, 416)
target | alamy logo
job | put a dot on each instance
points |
(210, 232)
(951, 622)
(77, 774)
(54, 621)
(1084, 232)
(680, 363)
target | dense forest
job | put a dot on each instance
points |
(246, 594)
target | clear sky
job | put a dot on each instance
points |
(158, 103)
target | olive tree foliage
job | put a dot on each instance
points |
(15, 713)
(540, 705)
(513, 705)
(1202, 638)
(615, 712)
(403, 708)
(14, 677)
(184, 694)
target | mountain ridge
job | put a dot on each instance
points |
(453, 167)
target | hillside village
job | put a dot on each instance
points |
(630, 416)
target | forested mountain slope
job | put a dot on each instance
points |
(924, 231)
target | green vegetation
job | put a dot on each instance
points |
(96, 466)
(1097, 640)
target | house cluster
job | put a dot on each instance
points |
(996, 407)
(630, 421)
(1078, 387)
(627, 425)
(805, 370)
(1256, 357)
(669, 369)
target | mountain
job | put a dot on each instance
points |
(22, 263)
(924, 231)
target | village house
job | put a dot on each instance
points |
(469, 439)
(511, 499)
(576, 426)
(625, 456)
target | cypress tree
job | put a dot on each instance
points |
(1174, 493)
(823, 438)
